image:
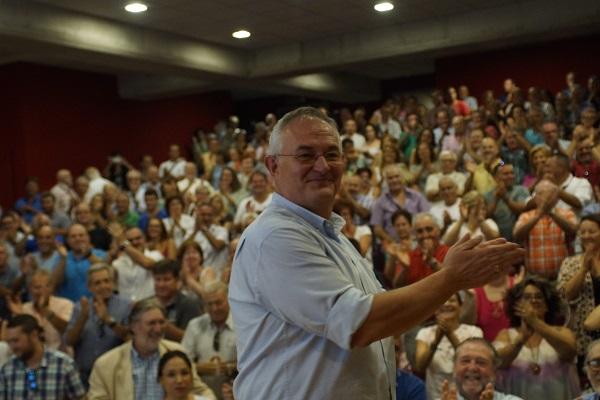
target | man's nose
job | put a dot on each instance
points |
(321, 163)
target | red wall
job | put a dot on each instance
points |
(55, 118)
(544, 65)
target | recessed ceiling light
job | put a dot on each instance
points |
(136, 7)
(383, 7)
(241, 34)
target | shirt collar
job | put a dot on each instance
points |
(329, 227)
(228, 322)
(135, 356)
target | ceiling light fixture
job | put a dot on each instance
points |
(242, 34)
(136, 7)
(384, 6)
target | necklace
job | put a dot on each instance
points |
(534, 366)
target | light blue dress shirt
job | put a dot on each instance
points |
(298, 292)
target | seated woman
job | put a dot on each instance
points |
(176, 376)
(360, 235)
(158, 239)
(490, 304)
(436, 344)
(472, 220)
(579, 283)
(194, 275)
(537, 354)
(398, 253)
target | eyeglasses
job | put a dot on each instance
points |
(31, 380)
(310, 157)
(594, 364)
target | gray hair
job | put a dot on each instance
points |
(589, 348)
(143, 306)
(275, 143)
(100, 267)
(213, 287)
(479, 340)
(423, 215)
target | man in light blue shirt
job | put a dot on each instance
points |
(314, 322)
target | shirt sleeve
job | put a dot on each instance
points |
(74, 386)
(377, 212)
(299, 283)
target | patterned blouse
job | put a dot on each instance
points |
(582, 305)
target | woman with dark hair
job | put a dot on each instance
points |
(423, 163)
(193, 273)
(179, 226)
(176, 376)
(579, 281)
(231, 190)
(537, 353)
(398, 253)
(158, 239)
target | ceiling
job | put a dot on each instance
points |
(333, 49)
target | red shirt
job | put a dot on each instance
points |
(589, 171)
(418, 269)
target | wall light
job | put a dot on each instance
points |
(384, 6)
(242, 34)
(136, 7)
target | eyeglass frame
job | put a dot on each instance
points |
(310, 158)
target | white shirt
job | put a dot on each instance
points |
(134, 281)
(96, 187)
(358, 140)
(187, 225)
(249, 205)
(64, 196)
(578, 187)
(199, 336)
(438, 208)
(432, 185)
(191, 187)
(212, 257)
(477, 232)
(175, 168)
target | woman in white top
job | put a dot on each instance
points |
(538, 355)
(472, 220)
(436, 344)
(179, 226)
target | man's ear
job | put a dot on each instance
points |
(271, 163)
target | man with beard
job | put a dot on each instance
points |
(130, 370)
(35, 371)
(475, 363)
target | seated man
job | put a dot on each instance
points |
(51, 312)
(362, 204)
(101, 326)
(130, 371)
(47, 256)
(31, 204)
(429, 254)
(134, 265)
(475, 362)
(69, 276)
(58, 219)
(447, 210)
(507, 201)
(574, 193)
(448, 162)
(153, 209)
(180, 309)
(210, 338)
(123, 212)
(35, 372)
(99, 236)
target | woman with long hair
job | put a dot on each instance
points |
(158, 239)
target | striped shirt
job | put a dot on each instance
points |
(55, 378)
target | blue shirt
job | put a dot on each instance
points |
(145, 218)
(75, 282)
(97, 338)
(591, 396)
(35, 202)
(386, 206)
(145, 373)
(298, 292)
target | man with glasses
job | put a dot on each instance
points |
(35, 372)
(210, 338)
(428, 256)
(316, 322)
(592, 370)
(130, 371)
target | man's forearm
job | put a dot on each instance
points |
(390, 311)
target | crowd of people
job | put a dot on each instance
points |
(115, 284)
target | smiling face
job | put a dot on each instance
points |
(535, 297)
(450, 310)
(473, 369)
(148, 330)
(312, 185)
(589, 232)
(176, 378)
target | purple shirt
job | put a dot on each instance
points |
(386, 206)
